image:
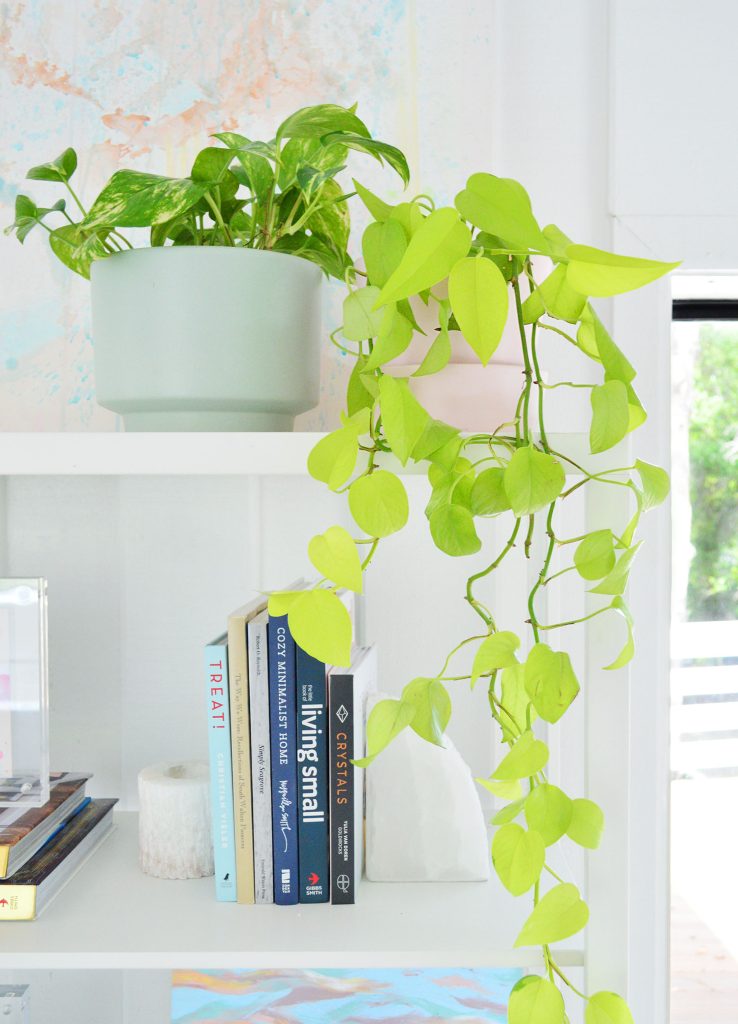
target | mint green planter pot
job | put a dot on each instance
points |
(196, 338)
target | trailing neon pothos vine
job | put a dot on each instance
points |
(483, 251)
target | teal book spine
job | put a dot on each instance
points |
(221, 773)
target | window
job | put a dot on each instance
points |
(704, 682)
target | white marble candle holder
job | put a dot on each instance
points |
(175, 839)
(424, 818)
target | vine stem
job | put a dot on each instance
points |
(535, 625)
(526, 359)
(510, 543)
(567, 982)
(468, 640)
(575, 622)
(370, 555)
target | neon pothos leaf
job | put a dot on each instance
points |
(595, 555)
(548, 810)
(517, 857)
(378, 503)
(533, 480)
(387, 719)
(479, 300)
(436, 438)
(453, 531)
(587, 823)
(280, 601)
(321, 625)
(333, 458)
(360, 319)
(488, 496)
(535, 1000)
(560, 914)
(509, 813)
(502, 207)
(655, 484)
(550, 681)
(518, 710)
(432, 706)
(439, 242)
(628, 650)
(395, 334)
(495, 652)
(335, 555)
(607, 1008)
(383, 245)
(596, 272)
(403, 417)
(376, 206)
(554, 296)
(438, 355)
(617, 579)
(511, 790)
(527, 756)
(610, 415)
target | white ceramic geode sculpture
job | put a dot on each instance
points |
(424, 818)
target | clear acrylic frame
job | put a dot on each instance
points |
(24, 694)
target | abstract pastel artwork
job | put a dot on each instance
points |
(358, 996)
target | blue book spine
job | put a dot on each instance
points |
(221, 773)
(312, 780)
(283, 730)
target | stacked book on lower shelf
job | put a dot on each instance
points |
(287, 803)
(41, 848)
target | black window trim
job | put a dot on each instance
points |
(705, 309)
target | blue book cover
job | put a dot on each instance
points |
(221, 773)
(312, 780)
(283, 722)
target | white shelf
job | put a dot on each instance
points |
(164, 453)
(263, 454)
(112, 916)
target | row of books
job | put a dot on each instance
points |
(42, 847)
(287, 803)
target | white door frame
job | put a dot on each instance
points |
(642, 328)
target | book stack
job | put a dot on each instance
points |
(287, 803)
(41, 848)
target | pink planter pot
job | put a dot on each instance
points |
(466, 394)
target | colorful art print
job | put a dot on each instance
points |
(358, 996)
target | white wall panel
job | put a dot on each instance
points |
(674, 83)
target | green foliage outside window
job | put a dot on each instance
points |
(713, 468)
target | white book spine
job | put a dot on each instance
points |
(261, 775)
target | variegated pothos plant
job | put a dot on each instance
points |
(282, 195)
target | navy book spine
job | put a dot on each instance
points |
(343, 797)
(283, 730)
(312, 780)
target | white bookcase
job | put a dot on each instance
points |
(148, 541)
